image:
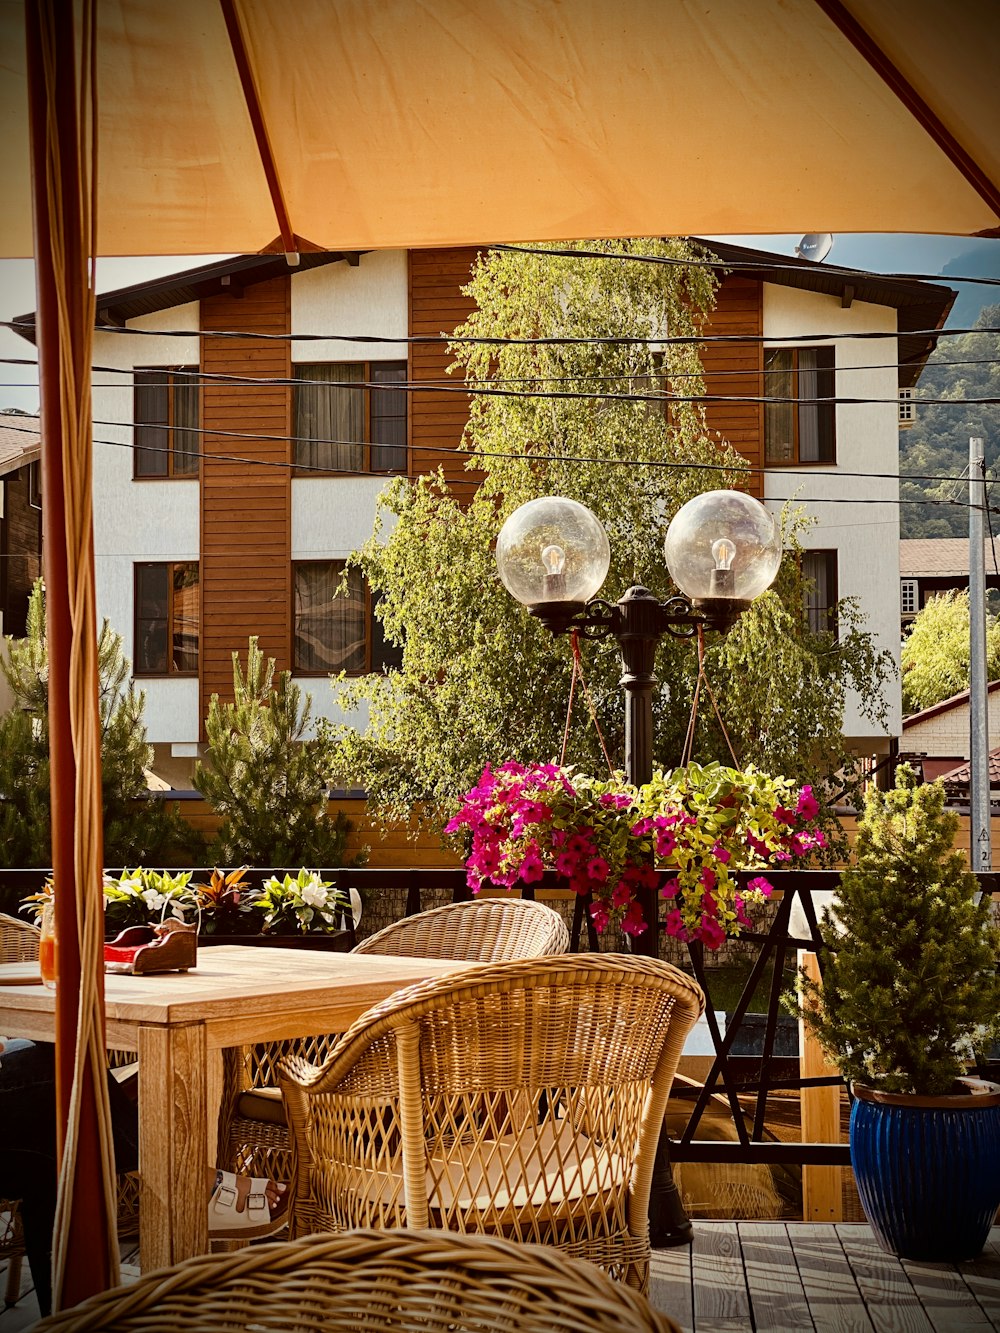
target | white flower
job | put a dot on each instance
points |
(133, 885)
(313, 894)
(154, 900)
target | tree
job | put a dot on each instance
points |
(265, 779)
(481, 681)
(959, 369)
(138, 828)
(935, 658)
(910, 978)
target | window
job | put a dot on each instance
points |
(338, 633)
(166, 422)
(907, 409)
(800, 430)
(819, 574)
(908, 597)
(343, 428)
(167, 619)
(35, 484)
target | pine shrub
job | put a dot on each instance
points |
(910, 977)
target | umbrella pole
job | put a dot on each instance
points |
(84, 1257)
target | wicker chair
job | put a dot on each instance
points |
(19, 944)
(371, 1282)
(521, 1099)
(253, 1131)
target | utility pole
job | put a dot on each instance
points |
(980, 846)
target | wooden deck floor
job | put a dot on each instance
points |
(769, 1277)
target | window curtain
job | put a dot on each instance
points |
(329, 626)
(186, 441)
(779, 418)
(330, 417)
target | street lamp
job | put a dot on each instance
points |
(722, 549)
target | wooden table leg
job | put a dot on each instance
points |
(173, 1162)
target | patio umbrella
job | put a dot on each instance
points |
(353, 124)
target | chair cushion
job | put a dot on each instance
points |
(262, 1104)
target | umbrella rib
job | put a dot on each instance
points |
(866, 46)
(289, 241)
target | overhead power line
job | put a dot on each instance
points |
(608, 340)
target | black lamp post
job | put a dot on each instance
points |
(722, 549)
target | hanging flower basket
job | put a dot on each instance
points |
(608, 839)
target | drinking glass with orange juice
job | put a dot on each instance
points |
(47, 945)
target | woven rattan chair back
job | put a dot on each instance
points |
(253, 1137)
(521, 1099)
(18, 940)
(486, 930)
(369, 1282)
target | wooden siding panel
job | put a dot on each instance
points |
(436, 420)
(737, 368)
(245, 507)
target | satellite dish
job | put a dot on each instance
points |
(815, 245)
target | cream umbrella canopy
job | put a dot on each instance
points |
(238, 125)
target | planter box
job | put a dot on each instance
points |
(338, 941)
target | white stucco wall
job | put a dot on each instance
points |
(141, 520)
(865, 529)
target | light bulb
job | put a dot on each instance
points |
(723, 577)
(554, 559)
(723, 553)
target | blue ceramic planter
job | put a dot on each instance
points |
(928, 1170)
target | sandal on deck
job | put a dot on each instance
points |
(228, 1222)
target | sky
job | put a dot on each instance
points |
(945, 255)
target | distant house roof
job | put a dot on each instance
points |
(957, 779)
(943, 557)
(945, 706)
(921, 306)
(20, 440)
(116, 308)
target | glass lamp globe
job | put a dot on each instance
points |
(552, 550)
(723, 545)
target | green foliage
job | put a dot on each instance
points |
(938, 442)
(481, 682)
(935, 657)
(138, 827)
(298, 904)
(144, 897)
(266, 781)
(910, 979)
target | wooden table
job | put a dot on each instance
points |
(175, 1021)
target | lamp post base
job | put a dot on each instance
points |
(669, 1224)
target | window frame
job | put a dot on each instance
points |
(907, 414)
(171, 671)
(371, 600)
(909, 587)
(828, 351)
(170, 453)
(367, 444)
(829, 610)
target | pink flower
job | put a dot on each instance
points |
(808, 806)
(710, 932)
(565, 863)
(621, 893)
(598, 869)
(532, 868)
(760, 885)
(707, 878)
(617, 800)
(599, 916)
(674, 925)
(720, 854)
(633, 922)
(670, 888)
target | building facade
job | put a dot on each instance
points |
(303, 372)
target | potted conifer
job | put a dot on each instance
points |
(910, 992)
